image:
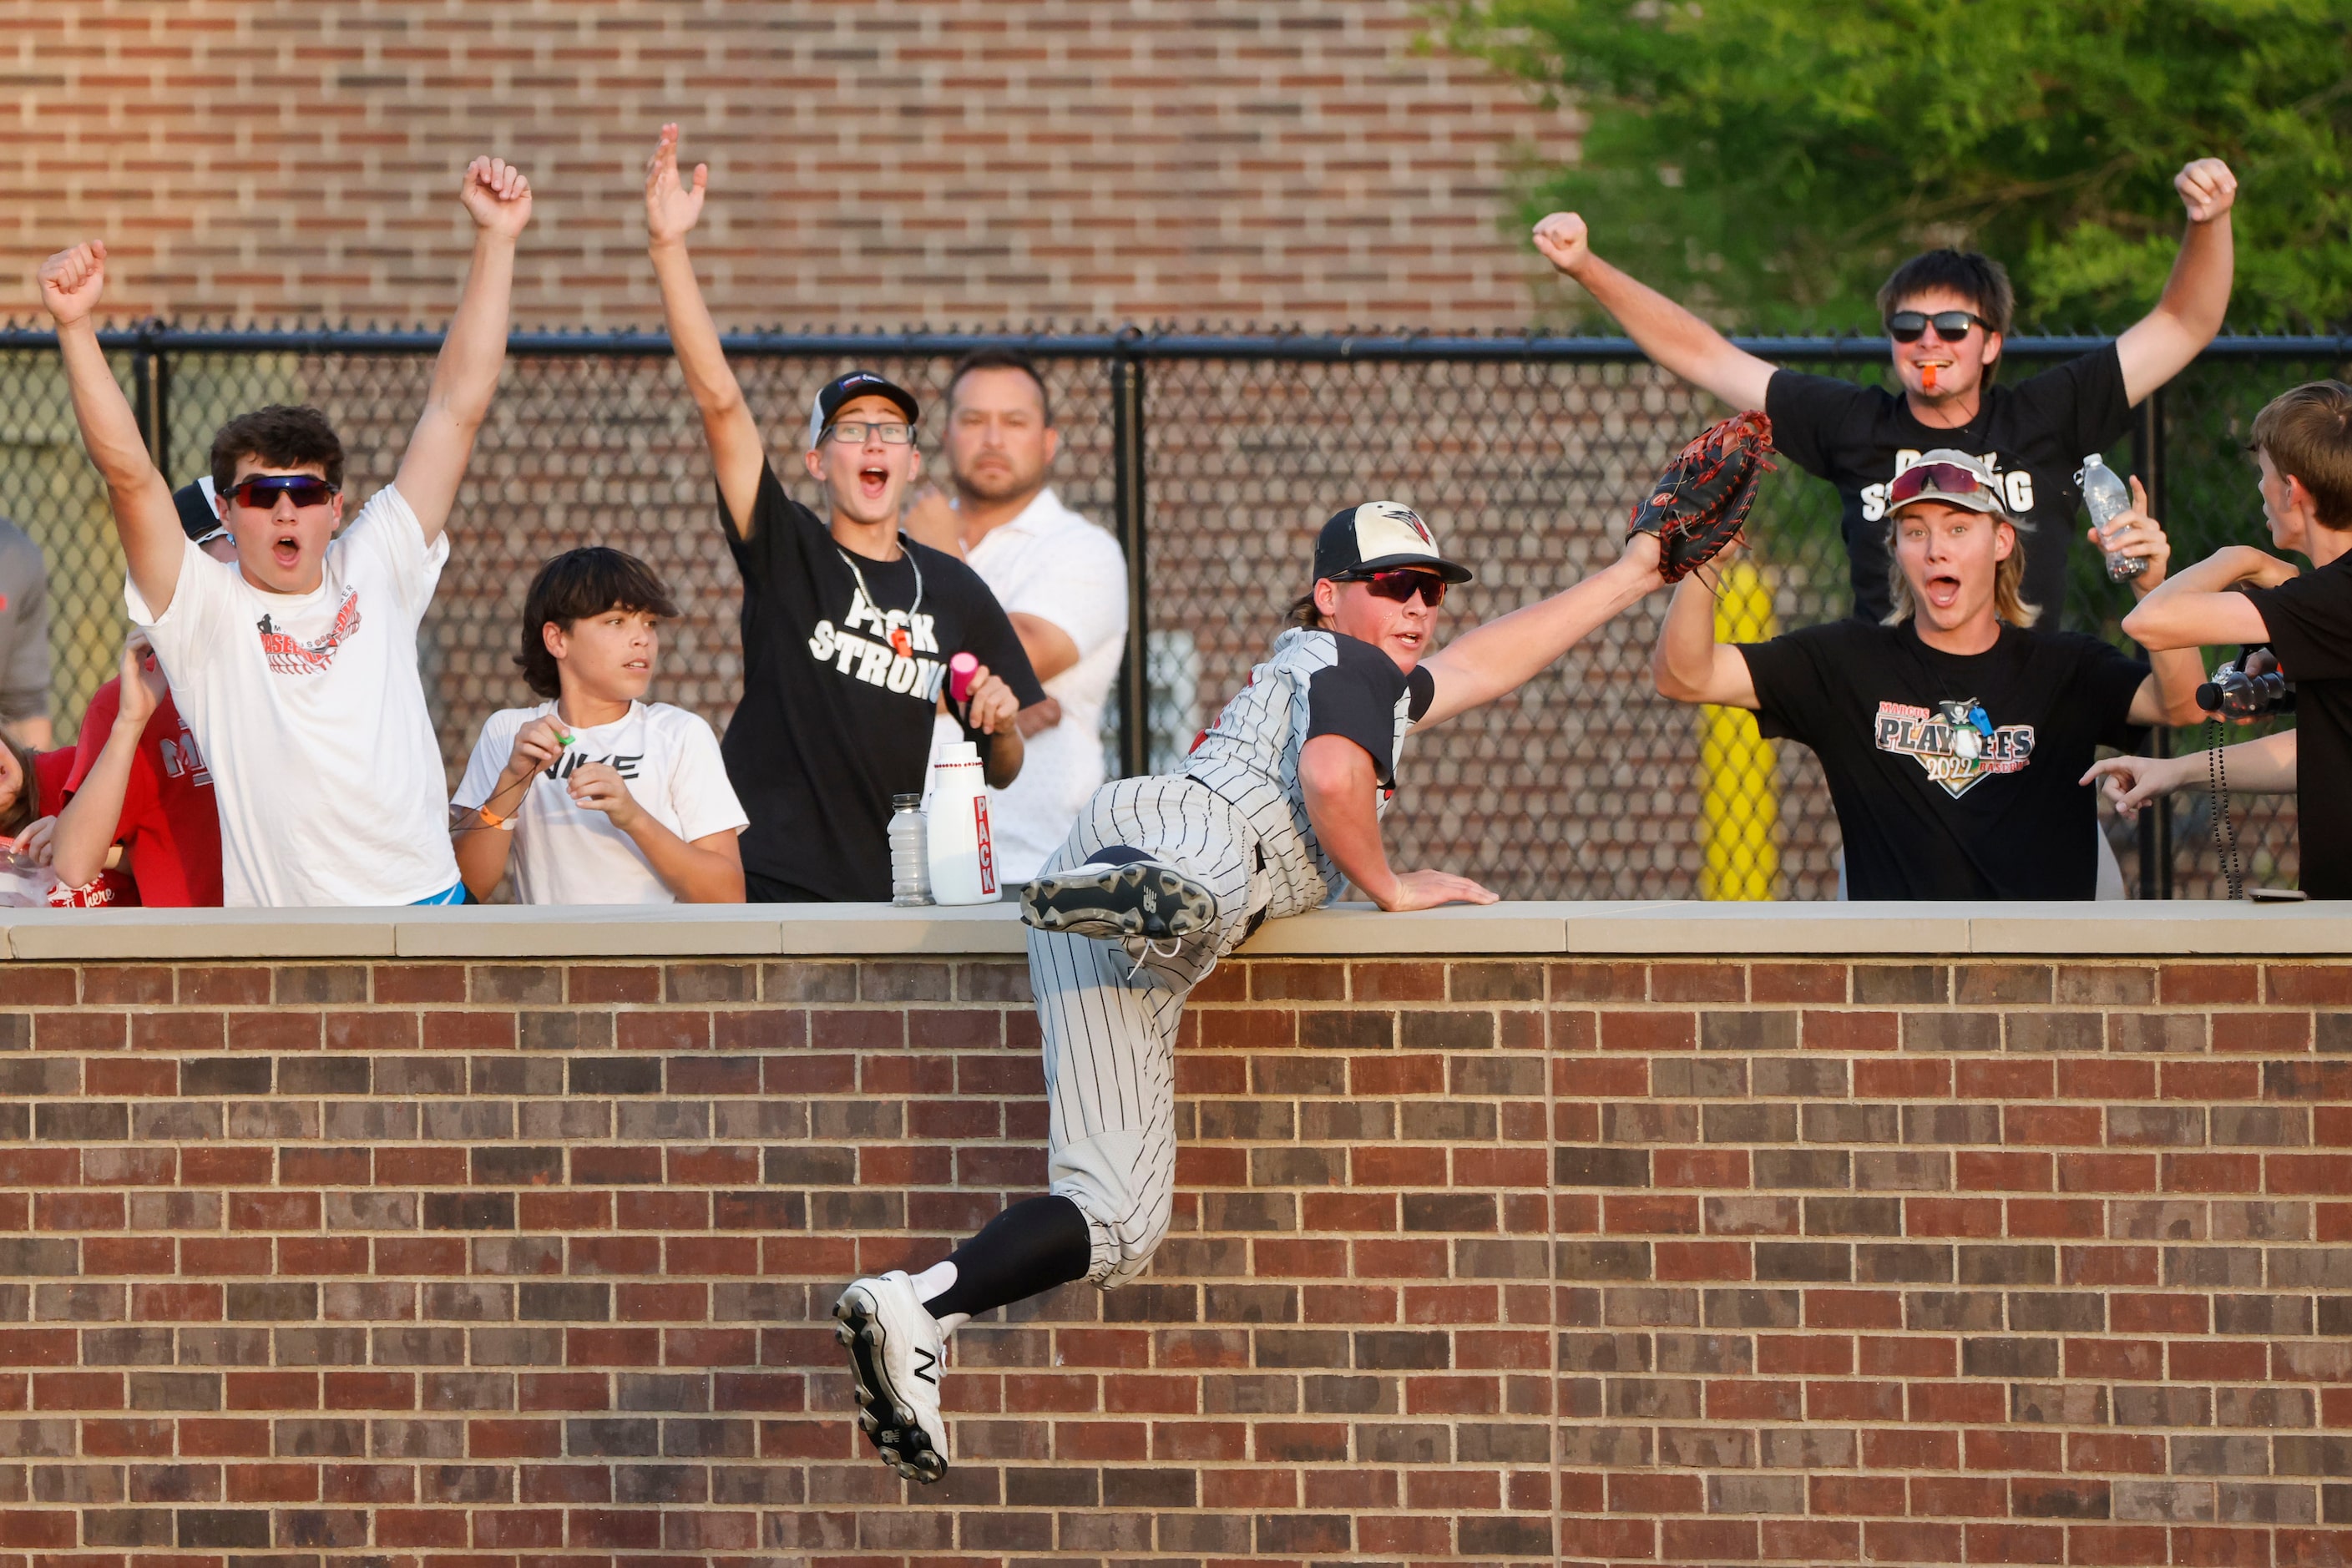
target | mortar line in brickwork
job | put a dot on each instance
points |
(1551, 1281)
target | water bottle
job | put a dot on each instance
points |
(911, 871)
(963, 856)
(2107, 498)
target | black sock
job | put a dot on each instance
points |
(1025, 1251)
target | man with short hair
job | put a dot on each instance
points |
(1062, 580)
(1955, 733)
(2301, 443)
(848, 625)
(297, 666)
(1946, 313)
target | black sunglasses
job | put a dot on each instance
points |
(262, 491)
(1909, 326)
(1402, 583)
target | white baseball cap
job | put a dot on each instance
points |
(1380, 536)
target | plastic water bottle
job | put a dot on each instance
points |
(910, 868)
(963, 856)
(2107, 498)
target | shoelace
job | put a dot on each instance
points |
(1151, 950)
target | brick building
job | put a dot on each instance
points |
(877, 162)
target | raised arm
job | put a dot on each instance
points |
(1506, 653)
(1689, 665)
(465, 377)
(86, 828)
(2196, 608)
(1670, 335)
(2159, 345)
(2168, 695)
(672, 209)
(144, 517)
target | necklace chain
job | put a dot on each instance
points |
(913, 610)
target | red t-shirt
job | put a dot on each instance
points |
(170, 829)
(53, 774)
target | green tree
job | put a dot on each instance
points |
(1769, 160)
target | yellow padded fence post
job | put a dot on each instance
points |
(1738, 768)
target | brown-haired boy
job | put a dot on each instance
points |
(2303, 444)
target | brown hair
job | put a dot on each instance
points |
(1975, 276)
(2008, 579)
(1302, 611)
(1003, 359)
(282, 435)
(575, 587)
(20, 813)
(2308, 433)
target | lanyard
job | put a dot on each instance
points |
(902, 642)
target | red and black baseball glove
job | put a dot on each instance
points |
(1699, 503)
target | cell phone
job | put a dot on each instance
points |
(2277, 895)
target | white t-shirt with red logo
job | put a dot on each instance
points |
(311, 712)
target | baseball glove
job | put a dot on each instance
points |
(1699, 503)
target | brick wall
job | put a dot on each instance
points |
(1784, 1261)
(876, 162)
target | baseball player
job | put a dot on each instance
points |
(1162, 876)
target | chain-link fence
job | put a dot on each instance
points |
(1219, 457)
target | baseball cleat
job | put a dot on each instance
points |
(895, 1351)
(1142, 898)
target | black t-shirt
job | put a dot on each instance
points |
(1357, 698)
(2034, 435)
(836, 720)
(1953, 775)
(2310, 623)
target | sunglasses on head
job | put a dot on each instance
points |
(1933, 480)
(1401, 584)
(1909, 326)
(262, 491)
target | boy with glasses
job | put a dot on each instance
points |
(1278, 803)
(1945, 313)
(848, 625)
(1955, 734)
(296, 667)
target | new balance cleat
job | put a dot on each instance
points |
(1138, 899)
(895, 1352)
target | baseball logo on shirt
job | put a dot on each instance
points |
(288, 657)
(1958, 743)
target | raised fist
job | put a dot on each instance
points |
(2207, 189)
(498, 195)
(71, 281)
(1562, 240)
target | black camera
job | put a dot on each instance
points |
(2251, 686)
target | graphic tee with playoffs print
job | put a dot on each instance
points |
(309, 711)
(566, 854)
(1954, 776)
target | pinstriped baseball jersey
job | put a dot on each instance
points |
(1314, 682)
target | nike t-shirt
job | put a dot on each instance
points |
(309, 711)
(1953, 775)
(2034, 435)
(566, 854)
(843, 660)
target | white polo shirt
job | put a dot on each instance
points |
(1050, 562)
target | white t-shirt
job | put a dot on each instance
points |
(309, 711)
(1053, 563)
(565, 854)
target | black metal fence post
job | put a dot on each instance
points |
(2155, 825)
(151, 386)
(1128, 472)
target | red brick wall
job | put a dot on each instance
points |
(1782, 1261)
(876, 162)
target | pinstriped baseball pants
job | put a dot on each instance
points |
(1110, 1024)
